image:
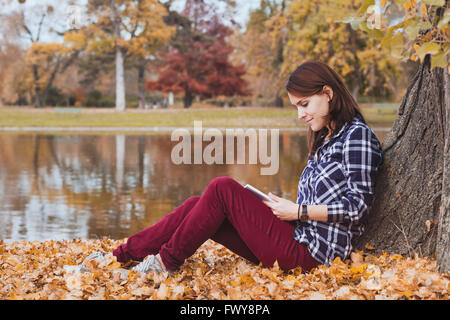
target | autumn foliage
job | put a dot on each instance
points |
(202, 70)
(197, 63)
(35, 270)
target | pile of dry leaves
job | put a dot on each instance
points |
(35, 270)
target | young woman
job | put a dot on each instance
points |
(334, 196)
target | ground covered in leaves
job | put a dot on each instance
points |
(35, 270)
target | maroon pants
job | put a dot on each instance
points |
(228, 214)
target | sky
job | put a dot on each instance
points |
(61, 10)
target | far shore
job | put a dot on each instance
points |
(51, 119)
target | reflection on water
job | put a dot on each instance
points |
(88, 186)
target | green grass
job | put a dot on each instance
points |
(260, 117)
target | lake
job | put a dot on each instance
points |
(67, 186)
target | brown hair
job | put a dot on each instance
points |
(307, 80)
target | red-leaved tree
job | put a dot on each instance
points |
(198, 65)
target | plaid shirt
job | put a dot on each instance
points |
(343, 178)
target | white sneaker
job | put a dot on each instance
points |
(97, 256)
(151, 263)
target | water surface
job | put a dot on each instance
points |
(66, 186)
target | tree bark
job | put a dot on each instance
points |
(50, 81)
(409, 193)
(141, 86)
(37, 89)
(443, 245)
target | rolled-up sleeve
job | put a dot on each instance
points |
(362, 156)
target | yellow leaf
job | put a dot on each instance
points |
(20, 267)
(427, 48)
(115, 265)
(438, 60)
(407, 293)
(246, 279)
(234, 283)
(358, 269)
(439, 3)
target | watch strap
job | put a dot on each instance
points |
(304, 216)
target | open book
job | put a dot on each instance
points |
(259, 194)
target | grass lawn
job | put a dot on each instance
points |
(257, 117)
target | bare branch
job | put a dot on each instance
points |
(40, 26)
(25, 27)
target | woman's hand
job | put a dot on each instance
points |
(282, 208)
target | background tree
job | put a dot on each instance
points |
(42, 60)
(316, 32)
(147, 36)
(262, 58)
(198, 61)
(11, 71)
(412, 198)
(124, 27)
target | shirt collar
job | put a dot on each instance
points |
(356, 118)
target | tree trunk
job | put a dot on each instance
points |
(409, 194)
(120, 69)
(37, 89)
(278, 101)
(443, 245)
(120, 80)
(188, 99)
(141, 86)
(50, 81)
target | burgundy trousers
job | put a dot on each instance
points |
(228, 214)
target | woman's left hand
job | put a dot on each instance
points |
(282, 208)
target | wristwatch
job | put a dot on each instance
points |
(304, 217)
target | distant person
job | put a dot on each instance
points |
(334, 196)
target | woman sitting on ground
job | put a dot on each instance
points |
(335, 193)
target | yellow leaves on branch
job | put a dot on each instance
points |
(416, 32)
(142, 30)
(43, 57)
(35, 270)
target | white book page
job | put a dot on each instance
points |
(259, 194)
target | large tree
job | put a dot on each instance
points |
(411, 208)
(260, 46)
(43, 60)
(133, 29)
(316, 31)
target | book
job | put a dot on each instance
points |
(259, 194)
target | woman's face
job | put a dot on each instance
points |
(313, 109)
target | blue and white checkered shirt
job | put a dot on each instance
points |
(343, 178)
